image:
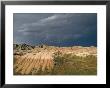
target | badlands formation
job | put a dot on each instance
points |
(31, 59)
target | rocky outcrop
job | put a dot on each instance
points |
(23, 47)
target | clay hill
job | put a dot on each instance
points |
(30, 60)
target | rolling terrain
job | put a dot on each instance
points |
(52, 60)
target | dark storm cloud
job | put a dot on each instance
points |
(56, 29)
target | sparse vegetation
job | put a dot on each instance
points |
(52, 60)
(68, 64)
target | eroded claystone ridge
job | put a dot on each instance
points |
(32, 59)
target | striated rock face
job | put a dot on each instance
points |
(23, 47)
(41, 57)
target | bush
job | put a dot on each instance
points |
(69, 64)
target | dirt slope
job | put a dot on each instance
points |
(41, 57)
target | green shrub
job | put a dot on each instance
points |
(69, 64)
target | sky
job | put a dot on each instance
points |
(57, 29)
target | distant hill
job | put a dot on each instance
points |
(22, 47)
(44, 46)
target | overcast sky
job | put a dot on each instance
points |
(56, 28)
